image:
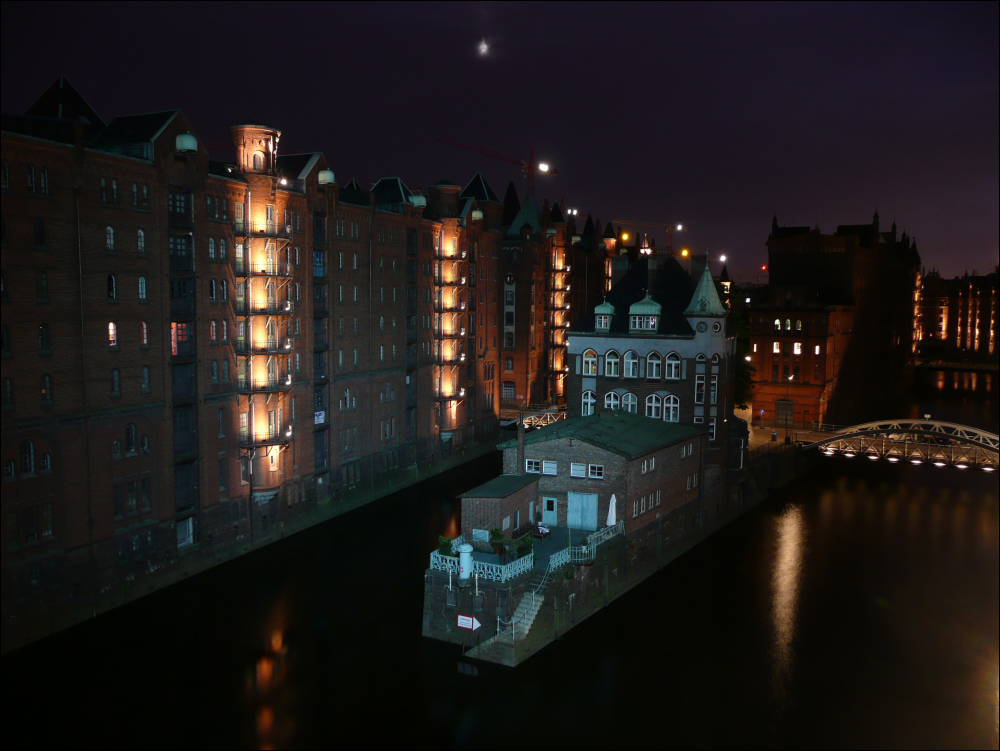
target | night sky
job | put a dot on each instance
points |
(713, 115)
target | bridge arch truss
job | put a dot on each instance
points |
(915, 442)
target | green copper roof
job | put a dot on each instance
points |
(605, 309)
(621, 433)
(647, 306)
(705, 300)
(500, 487)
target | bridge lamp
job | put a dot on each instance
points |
(962, 466)
(915, 461)
(828, 452)
(849, 454)
(938, 464)
(893, 459)
(873, 457)
(987, 469)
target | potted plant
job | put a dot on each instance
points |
(524, 546)
(496, 540)
(444, 545)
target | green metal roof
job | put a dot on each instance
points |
(621, 433)
(500, 487)
(705, 300)
(645, 307)
(605, 308)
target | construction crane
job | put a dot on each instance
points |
(670, 228)
(528, 168)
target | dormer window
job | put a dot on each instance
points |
(643, 323)
(603, 323)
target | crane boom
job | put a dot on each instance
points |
(528, 167)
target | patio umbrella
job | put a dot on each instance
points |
(612, 519)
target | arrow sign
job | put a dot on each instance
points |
(468, 622)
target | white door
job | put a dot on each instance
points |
(581, 510)
(549, 513)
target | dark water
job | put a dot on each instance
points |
(858, 608)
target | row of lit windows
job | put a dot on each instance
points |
(109, 240)
(779, 347)
(37, 182)
(788, 324)
(628, 366)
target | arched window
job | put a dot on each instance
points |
(653, 362)
(215, 331)
(653, 406)
(130, 438)
(631, 364)
(39, 231)
(211, 248)
(46, 389)
(777, 324)
(589, 400)
(140, 242)
(590, 363)
(31, 179)
(611, 360)
(225, 371)
(143, 334)
(715, 357)
(142, 288)
(116, 450)
(258, 161)
(43, 184)
(211, 289)
(115, 381)
(700, 358)
(225, 331)
(798, 324)
(144, 379)
(112, 334)
(114, 191)
(109, 239)
(144, 444)
(45, 463)
(222, 249)
(112, 287)
(788, 324)
(672, 409)
(27, 457)
(629, 403)
(223, 290)
(135, 196)
(673, 367)
(215, 371)
(612, 400)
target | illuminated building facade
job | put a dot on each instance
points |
(957, 316)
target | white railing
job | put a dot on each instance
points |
(501, 573)
(557, 560)
(460, 540)
(444, 562)
(586, 553)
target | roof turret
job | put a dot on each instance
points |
(705, 300)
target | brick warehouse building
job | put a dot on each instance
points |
(217, 347)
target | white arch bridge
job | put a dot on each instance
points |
(911, 441)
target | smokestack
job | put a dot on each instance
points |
(520, 446)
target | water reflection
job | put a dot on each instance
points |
(785, 582)
(268, 696)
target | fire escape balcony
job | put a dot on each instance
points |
(458, 395)
(456, 333)
(264, 385)
(456, 359)
(277, 435)
(280, 346)
(280, 269)
(441, 281)
(455, 307)
(246, 229)
(263, 307)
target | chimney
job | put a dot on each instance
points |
(520, 446)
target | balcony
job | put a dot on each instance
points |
(263, 268)
(262, 229)
(271, 435)
(441, 281)
(457, 333)
(453, 307)
(281, 346)
(460, 394)
(263, 307)
(264, 385)
(456, 359)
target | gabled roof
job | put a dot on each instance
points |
(556, 215)
(529, 214)
(135, 128)
(297, 166)
(705, 300)
(391, 190)
(619, 432)
(609, 232)
(671, 288)
(354, 193)
(511, 205)
(479, 189)
(500, 487)
(62, 101)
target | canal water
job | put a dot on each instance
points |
(858, 607)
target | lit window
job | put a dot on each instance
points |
(777, 324)
(109, 239)
(776, 348)
(816, 350)
(142, 288)
(112, 334)
(590, 363)
(797, 348)
(143, 334)
(602, 321)
(611, 364)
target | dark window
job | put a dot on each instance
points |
(39, 231)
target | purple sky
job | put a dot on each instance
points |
(713, 115)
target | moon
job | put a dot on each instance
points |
(483, 48)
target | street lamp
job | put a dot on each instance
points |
(788, 383)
